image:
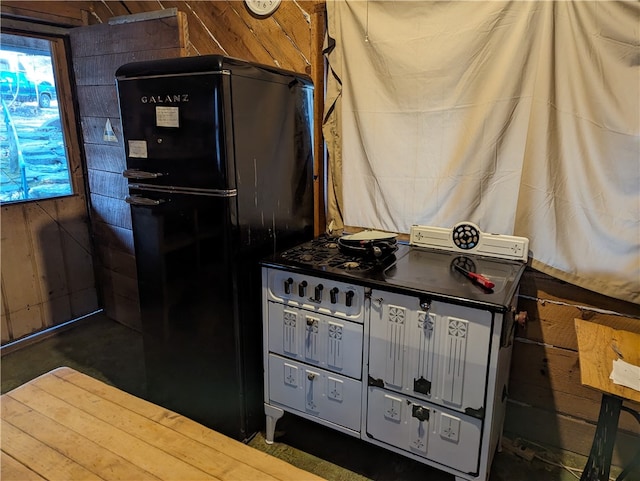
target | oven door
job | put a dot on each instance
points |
(440, 355)
(428, 431)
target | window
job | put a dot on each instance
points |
(33, 152)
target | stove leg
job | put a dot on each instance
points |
(273, 414)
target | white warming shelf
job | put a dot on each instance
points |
(466, 237)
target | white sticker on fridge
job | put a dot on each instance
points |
(138, 149)
(167, 117)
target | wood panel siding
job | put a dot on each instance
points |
(101, 12)
(47, 268)
(544, 386)
(64, 14)
(98, 50)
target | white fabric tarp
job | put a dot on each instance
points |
(522, 117)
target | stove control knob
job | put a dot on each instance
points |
(302, 288)
(287, 285)
(318, 292)
(349, 296)
(334, 295)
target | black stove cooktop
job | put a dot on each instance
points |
(324, 253)
(435, 271)
(416, 269)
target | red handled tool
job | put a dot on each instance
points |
(477, 278)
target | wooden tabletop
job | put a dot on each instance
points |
(598, 347)
(65, 425)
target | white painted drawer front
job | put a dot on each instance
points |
(438, 434)
(313, 338)
(327, 395)
(440, 355)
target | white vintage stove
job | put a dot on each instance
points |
(403, 346)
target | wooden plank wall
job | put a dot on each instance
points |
(547, 403)
(98, 50)
(47, 269)
(64, 14)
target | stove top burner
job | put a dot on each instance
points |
(325, 253)
(351, 265)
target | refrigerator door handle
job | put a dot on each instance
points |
(141, 174)
(171, 189)
(139, 200)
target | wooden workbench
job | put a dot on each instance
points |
(598, 347)
(65, 425)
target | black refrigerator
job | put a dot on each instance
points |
(219, 162)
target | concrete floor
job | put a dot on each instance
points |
(112, 353)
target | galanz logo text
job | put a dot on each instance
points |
(164, 99)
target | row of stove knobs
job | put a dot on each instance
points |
(319, 288)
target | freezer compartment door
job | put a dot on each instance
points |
(174, 130)
(216, 130)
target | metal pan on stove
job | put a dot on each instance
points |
(368, 243)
